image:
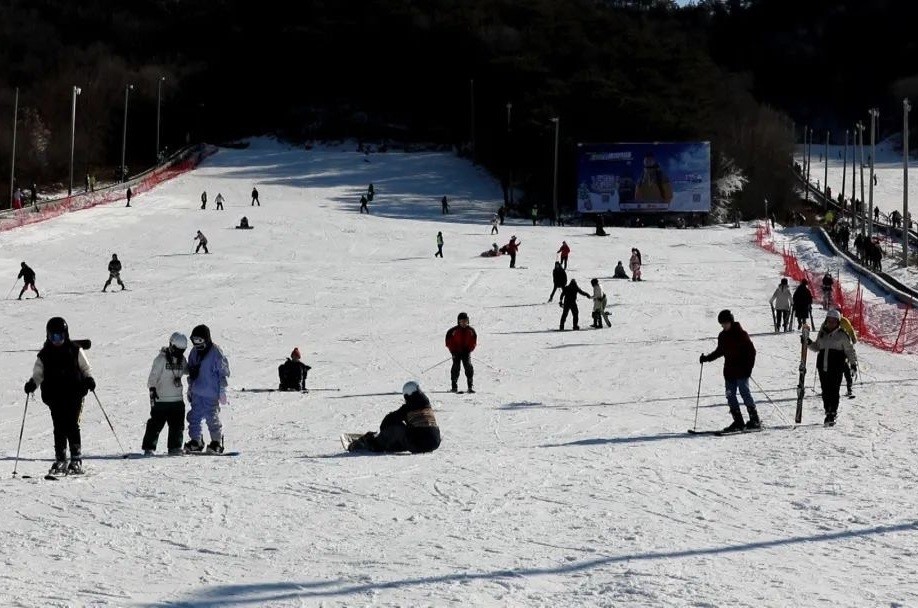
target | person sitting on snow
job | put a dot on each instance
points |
(411, 428)
(243, 224)
(620, 271)
(293, 373)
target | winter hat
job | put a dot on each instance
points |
(178, 341)
(833, 314)
(462, 317)
(725, 316)
(594, 281)
(784, 281)
(410, 388)
(296, 353)
(202, 333)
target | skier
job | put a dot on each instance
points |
(827, 283)
(292, 373)
(495, 222)
(208, 370)
(204, 200)
(782, 301)
(129, 194)
(834, 347)
(599, 304)
(219, 201)
(202, 242)
(444, 205)
(28, 278)
(166, 404)
(114, 272)
(846, 327)
(734, 345)
(411, 428)
(255, 197)
(635, 264)
(559, 280)
(501, 214)
(370, 192)
(568, 302)
(363, 204)
(65, 376)
(461, 340)
(620, 271)
(512, 247)
(803, 302)
(564, 251)
(244, 224)
(439, 252)
(17, 199)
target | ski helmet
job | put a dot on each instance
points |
(57, 331)
(178, 341)
(200, 337)
(410, 388)
(833, 314)
(462, 317)
(725, 316)
(784, 281)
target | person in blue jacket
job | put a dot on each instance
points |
(208, 370)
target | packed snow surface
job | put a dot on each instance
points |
(568, 480)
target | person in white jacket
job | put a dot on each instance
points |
(782, 302)
(166, 403)
(599, 305)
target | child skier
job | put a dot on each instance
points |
(114, 272)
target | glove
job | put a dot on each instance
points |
(854, 369)
(30, 387)
(702, 359)
(89, 384)
(222, 398)
(153, 394)
(193, 371)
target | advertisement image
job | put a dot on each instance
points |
(644, 177)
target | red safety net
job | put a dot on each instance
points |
(888, 326)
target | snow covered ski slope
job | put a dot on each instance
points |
(567, 480)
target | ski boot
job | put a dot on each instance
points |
(830, 418)
(75, 467)
(454, 388)
(195, 445)
(176, 451)
(754, 424)
(361, 444)
(58, 468)
(470, 389)
(214, 447)
(738, 423)
(148, 452)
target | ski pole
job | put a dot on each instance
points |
(21, 429)
(698, 397)
(110, 424)
(437, 365)
(324, 389)
(773, 404)
(10, 292)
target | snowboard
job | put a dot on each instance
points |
(206, 453)
(605, 317)
(270, 390)
(347, 438)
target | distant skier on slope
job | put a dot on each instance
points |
(28, 278)
(292, 373)
(512, 247)
(782, 300)
(803, 302)
(735, 346)
(635, 264)
(114, 272)
(411, 428)
(558, 279)
(461, 340)
(439, 253)
(202, 242)
(619, 271)
(568, 303)
(827, 284)
(219, 201)
(204, 200)
(834, 347)
(255, 197)
(166, 404)
(565, 251)
(599, 304)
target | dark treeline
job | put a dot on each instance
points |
(619, 70)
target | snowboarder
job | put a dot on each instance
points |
(244, 224)
(735, 346)
(202, 242)
(512, 247)
(219, 201)
(846, 327)
(65, 376)
(599, 304)
(803, 302)
(564, 251)
(208, 370)
(782, 301)
(461, 340)
(411, 428)
(439, 252)
(28, 278)
(166, 403)
(255, 197)
(292, 373)
(559, 280)
(129, 194)
(114, 272)
(363, 204)
(568, 302)
(444, 205)
(827, 283)
(620, 271)
(495, 221)
(834, 347)
(204, 200)
(635, 264)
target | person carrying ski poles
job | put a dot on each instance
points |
(835, 353)
(782, 301)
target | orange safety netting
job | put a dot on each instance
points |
(887, 326)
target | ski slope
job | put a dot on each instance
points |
(568, 480)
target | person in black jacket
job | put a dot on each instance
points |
(568, 303)
(114, 272)
(803, 303)
(411, 428)
(28, 277)
(734, 345)
(559, 279)
(293, 373)
(64, 374)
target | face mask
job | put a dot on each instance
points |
(56, 339)
(199, 343)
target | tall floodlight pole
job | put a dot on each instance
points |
(854, 172)
(509, 155)
(554, 189)
(906, 107)
(127, 91)
(844, 170)
(863, 196)
(76, 91)
(808, 151)
(825, 176)
(159, 103)
(874, 113)
(13, 151)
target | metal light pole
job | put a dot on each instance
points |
(906, 107)
(127, 90)
(863, 197)
(874, 113)
(825, 176)
(808, 153)
(554, 190)
(844, 169)
(509, 155)
(159, 100)
(76, 91)
(854, 172)
(13, 152)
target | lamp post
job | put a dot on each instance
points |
(509, 156)
(906, 108)
(863, 197)
(874, 113)
(844, 171)
(159, 100)
(808, 151)
(472, 117)
(76, 91)
(554, 187)
(825, 176)
(127, 91)
(13, 151)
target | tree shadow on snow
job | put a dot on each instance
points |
(263, 593)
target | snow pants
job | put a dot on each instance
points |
(572, 308)
(207, 409)
(398, 437)
(742, 384)
(162, 413)
(116, 276)
(783, 317)
(466, 362)
(830, 383)
(66, 419)
(200, 245)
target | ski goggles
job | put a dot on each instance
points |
(198, 342)
(57, 338)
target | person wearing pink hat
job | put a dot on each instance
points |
(293, 373)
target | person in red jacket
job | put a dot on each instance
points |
(461, 340)
(734, 345)
(512, 247)
(564, 251)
